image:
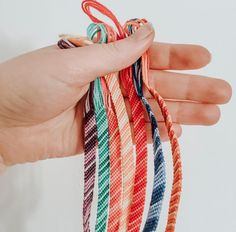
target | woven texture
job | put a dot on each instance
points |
(159, 164)
(115, 166)
(177, 165)
(132, 208)
(90, 140)
(122, 177)
(134, 189)
(140, 137)
(128, 160)
(103, 156)
(128, 168)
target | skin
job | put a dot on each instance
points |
(42, 93)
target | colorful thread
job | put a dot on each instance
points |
(159, 164)
(103, 157)
(90, 140)
(131, 216)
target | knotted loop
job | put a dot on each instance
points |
(88, 4)
(133, 24)
(129, 28)
(97, 33)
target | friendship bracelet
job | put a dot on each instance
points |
(140, 137)
(103, 146)
(115, 164)
(99, 33)
(127, 156)
(131, 79)
(90, 136)
(177, 180)
(138, 202)
(137, 111)
(177, 167)
(128, 160)
(177, 164)
(90, 144)
(103, 157)
(159, 165)
(127, 147)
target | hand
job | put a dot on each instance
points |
(42, 93)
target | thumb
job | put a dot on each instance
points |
(96, 60)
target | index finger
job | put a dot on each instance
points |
(165, 56)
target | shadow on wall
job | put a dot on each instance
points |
(17, 203)
(10, 48)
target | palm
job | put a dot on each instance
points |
(47, 111)
(52, 126)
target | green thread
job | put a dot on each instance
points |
(103, 141)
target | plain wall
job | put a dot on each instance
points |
(47, 196)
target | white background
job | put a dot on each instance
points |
(47, 196)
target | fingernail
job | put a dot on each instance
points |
(145, 31)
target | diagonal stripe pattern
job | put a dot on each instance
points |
(177, 166)
(140, 182)
(126, 76)
(103, 154)
(159, 182)
(159, 163)
(115, 164)
(126, 152)
(116, 175)
(128, 169)
(139, 129)
(176, 157)
(90, 143)
(103, 142)
(128, 174)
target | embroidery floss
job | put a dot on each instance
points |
(159, 164)
(177, 172)
(115, 165)
(132, 80)
(90, 138)
(103, 157)
(100, 32)
(137, 111)
(128, 161)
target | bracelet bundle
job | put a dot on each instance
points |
(122, 169)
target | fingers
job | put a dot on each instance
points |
(190, 87)
(184, 112)
(186, 87)
(178, 56)
(100, 59)
(162, 130)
